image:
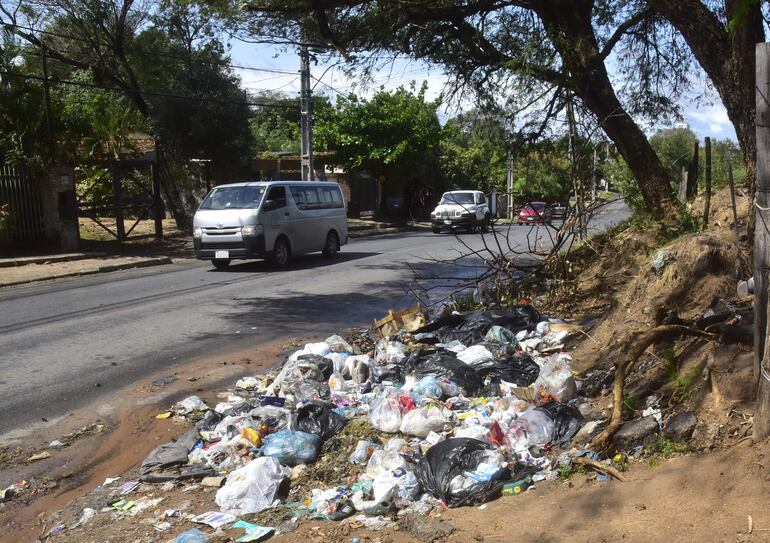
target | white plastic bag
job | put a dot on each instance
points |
(387, 459)
(252, 488)
(321, 348)
(539, 425)
(358, 368)
(475, 355)
(556, 380)
(424, 420)
(385, 414)
(190, 404)
(402, 481)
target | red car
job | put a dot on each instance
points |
(535, 213)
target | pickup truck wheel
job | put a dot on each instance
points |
(485, 224)
(436, 230)
(221, 263)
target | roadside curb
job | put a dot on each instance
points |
(52, 259)
(380, 231)
(101, 269)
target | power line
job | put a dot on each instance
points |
(143, 92)
(144, 51)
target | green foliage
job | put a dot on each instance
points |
(565, 471)
(542, 171)
(620, 176)
(393, 133)
(685, 384)
(674, 147)
(666, 447)
(631, 403)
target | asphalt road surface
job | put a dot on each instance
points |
(59, 339)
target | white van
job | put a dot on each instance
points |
(271, 219)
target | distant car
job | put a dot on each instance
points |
(535, 213)
(467, 209)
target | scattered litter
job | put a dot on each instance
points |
(167, 380)
(193, 535)
(11, 491)
(130, 486)
(86, 516)
(164, 415)
(162, 526)
(253, 532)
(39, 456)
(123, 505)
(109, 480)
(215, 519)
(55, 444)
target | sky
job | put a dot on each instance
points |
(705, 117)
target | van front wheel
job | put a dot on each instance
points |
(281, 253)
(332, 245)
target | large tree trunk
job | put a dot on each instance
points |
(727, 58)
(571, 31)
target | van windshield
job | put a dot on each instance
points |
(457, 198)
(246, 197)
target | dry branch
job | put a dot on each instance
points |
(604, 468)
(635, 345)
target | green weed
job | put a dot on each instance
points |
(666, 447)
(685, 384)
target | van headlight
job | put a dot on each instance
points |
(197, 232)
(251, 230)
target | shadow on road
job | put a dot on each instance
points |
(304, 262)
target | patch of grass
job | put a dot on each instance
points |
(631, 403)
(652, 463)
(565, 472)
(672, 363)
(685, 384)
(666, 447)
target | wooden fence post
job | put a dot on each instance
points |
(762, 241)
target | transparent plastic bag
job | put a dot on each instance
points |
(384, 460)
(291, 448)
(476, 354)
(429, 387)
(338, 344)
(363, 451)
(424, 420)
(389, 352)
(385, 414)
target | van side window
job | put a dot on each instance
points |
(277, 193)
(305, 197)
(331, 197)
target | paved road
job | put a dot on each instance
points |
(58, 340)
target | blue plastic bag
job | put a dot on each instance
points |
(429, 387)
(193, 535)
(291, 448)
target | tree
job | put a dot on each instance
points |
(674, 147)
(484, 44)
(473, 154)
(722, 36)
(394, 136)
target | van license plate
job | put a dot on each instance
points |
(447, 221)
(221, 254)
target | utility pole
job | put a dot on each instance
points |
(306, 115)
(509, 184)
(762, 244)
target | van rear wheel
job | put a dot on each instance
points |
(281, 253)
(332, 245)
(221, 263)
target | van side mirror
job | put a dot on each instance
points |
(270, 205)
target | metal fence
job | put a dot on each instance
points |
(21, 209)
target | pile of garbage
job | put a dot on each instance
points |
(468, 407)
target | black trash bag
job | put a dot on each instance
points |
(209, 421)
(241, 408)
(320, 419)
(326, 365)
(471, 328)
(449, 458)
(389, 373)
(518, 368)
(567, 420)
(443, 363)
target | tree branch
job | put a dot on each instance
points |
(622, 30)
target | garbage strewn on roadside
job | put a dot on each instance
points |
(456, 412)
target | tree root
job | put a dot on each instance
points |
(604, 468)
(635, 345)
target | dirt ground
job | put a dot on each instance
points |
(712, 489)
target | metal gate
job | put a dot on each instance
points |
(116, 192)
(21, 209)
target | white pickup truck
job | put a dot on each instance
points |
(467, 209)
